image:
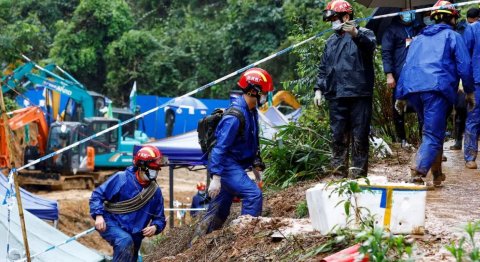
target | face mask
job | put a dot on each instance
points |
(262, 100)
(407, 18)
(201, 192)
(149, 175)
(337, 25)
(427, 21)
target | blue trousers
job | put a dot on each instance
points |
(431, 108)
(472, 129)
(125, 245)
(235, 182)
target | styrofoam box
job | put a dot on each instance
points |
(404, 207)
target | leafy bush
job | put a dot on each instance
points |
(460, 252)
(300, 151)
(302, 209)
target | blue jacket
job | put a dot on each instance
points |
(436, 61)
(123, 186)
(472, 40)
(199, 201)
(232, 149)
(394, 49)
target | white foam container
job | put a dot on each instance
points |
(398, 207)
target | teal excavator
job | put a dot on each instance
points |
(83, 116)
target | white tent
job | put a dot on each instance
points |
(40, 237)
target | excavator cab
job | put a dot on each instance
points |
(74, 160)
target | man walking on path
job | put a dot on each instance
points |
(129, 205)
(395, 43)
(345, 79)
(436, 61)
(460, 106)
(235, 150)
(472, 129)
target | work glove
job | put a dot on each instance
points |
(401, 106)
(350, 27)
(470, 99)
(215, 186)
(318, 99)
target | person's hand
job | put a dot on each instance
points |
(100, 223)
(470, 99)
(350, 27)
(401, 106)
(391, 81)
(215, 186)
(149, 231)
(318, 99)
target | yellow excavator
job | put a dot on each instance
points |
(283, 97)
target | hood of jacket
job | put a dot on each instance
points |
(435, 29)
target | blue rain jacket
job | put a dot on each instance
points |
(123, 186)
(231, 148)
(472, 40)
(394, 49)
(436, 60)
(199, 201)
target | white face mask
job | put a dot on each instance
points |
(151, 176)
(337, 25)
(263, 100)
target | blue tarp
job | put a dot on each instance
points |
(180, 150)
(185, 120)
(40, 207)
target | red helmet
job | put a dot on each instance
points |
(336, 7)
(447, 10)
(148, 157)
(201, 186)
(256, 77)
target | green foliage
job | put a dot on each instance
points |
(302, 209)
(460, 251)
(81, 43)
(300, 151)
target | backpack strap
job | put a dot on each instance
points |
(238, 114)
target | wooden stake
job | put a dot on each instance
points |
(17, 188)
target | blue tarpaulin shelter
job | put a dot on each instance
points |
(40, 207)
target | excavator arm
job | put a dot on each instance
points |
(25, 116)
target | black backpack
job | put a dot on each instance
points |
(206, 127)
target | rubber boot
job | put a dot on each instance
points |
(471, 165)
(417, 177)
(438, 175)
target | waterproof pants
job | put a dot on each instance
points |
(472, 129)
(350, 126)
(125, 245)
(431, 108)
(235, 182)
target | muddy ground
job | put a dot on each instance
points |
(448, 210)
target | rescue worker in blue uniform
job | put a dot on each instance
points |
(125, 225)
(460, 106)
(436, 61)
(345, 79)
(472, 129)
(235, 151)
(395, 43)
(200, 200)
